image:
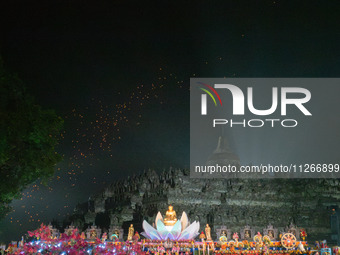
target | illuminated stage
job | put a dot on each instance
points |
(171, 236)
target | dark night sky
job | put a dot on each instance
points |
(88, 59)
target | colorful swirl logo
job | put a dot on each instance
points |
(209, 93)
(204, 97)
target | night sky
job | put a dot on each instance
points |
(118, 73)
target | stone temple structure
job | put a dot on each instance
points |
(223, 155)
(236, 204)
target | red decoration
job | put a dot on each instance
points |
(73, 244)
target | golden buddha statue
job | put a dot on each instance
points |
(247, 234)
(131, 232)
(170, 217)
(208, 232)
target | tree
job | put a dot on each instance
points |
(28, 136)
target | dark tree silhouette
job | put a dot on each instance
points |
(28, 136)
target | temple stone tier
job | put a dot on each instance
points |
(311, 204)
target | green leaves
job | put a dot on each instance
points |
(28, 136)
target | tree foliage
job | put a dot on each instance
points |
(28, 136)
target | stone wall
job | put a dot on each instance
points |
(234, 203)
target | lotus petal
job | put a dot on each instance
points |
(150, 231)
(195, 233)
(176, 230)
(162, 230)
(158, 217)
(181, 230)
(170, 236)
(190, 232)
(184, 221)
(146, 235)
